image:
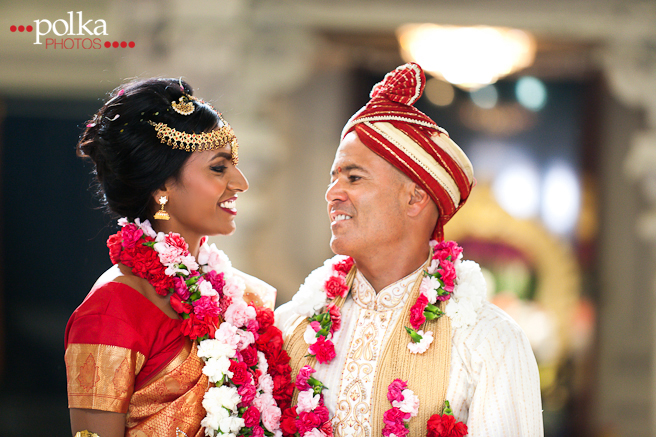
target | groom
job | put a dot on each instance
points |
(409, 309)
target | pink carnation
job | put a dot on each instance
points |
(257, 431)
(335, 318)
(216, 279)
(417, 317)
(303, 375)
(316, 326)
(448, 273)
(131, 235)
(335, 286)
(307, 401)
(247, 393)
(323, 349)
(205, 307)
(239, 314)
(444, 249)
(180, 288)
(271, 417)
(175, 240)
(395, 389)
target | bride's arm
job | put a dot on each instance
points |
(103, 423)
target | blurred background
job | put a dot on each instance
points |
(554, 101)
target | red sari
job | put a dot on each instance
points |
(124, 355)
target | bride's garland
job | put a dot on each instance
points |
(448, 278)
(243, 355)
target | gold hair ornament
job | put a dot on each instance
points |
(184, 105)
(216, 139)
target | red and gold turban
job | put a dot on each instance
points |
(408, 139)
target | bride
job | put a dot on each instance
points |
(171, 340)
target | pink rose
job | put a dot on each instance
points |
(335, 286)
(395, 389)
(323, 349)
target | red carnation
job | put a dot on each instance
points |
(323, 349)
(249, 356)
(194, 327)
(270, 342)
(114, 245)
(251, 417)
(445, 425)
(264, 317)
(335, 318)
(179, 306)
(344, 266)
(335, 286)
(240, 373)
(288, 421)
(306, 421)
(417, 317)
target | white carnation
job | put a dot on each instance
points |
(262, 363)
(224, 396)
(231, 424)
(310, 335)
(468, 294)
(215, 368)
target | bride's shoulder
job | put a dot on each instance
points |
(256, 290)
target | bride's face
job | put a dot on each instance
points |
(203, 200)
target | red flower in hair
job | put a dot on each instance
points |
(114, 245)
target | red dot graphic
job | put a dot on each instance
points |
(115, 44)
(131, 44)
(108, 44)
(13, 28)
(21, 28)
(123, 44)
(29, 28)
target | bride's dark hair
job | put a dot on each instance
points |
(131, 163)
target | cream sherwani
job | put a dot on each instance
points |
(493, 387)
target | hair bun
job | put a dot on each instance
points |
(403, 85)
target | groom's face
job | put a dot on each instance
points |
(365, 201)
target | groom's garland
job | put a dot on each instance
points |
(243, 354)
(447, 278)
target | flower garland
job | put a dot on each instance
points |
(243, 354)
(405, 405)
(448, 278)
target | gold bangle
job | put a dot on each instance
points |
(86, 433)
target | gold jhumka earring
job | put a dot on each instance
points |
(161, 214)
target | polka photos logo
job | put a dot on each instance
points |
(71, 33)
